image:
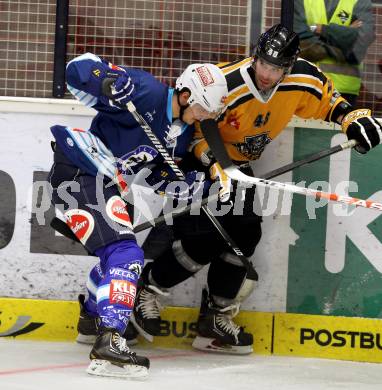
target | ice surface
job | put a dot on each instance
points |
(33, 365)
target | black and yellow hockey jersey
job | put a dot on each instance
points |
(251, 122)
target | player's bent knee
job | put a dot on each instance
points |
(186, 260)
(123, 254)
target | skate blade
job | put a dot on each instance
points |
(141, 331)
(105, 368)
(213, 345)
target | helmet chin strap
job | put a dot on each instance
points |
(181, 108)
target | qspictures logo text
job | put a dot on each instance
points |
(341, 338)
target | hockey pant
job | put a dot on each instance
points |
(100, 219)
(197, 243)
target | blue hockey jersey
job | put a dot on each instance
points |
(114, 132)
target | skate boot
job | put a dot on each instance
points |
(110, 356)
(217, 332)
(146, 314)
(87, 327)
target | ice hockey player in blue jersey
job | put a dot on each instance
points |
(88, 184)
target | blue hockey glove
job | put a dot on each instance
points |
(166, 183)
(122, 90)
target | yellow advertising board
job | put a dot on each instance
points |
(57, 320)
(344, 338)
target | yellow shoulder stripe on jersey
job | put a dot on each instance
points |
(304, 79)
(299, 83)
(229, 67)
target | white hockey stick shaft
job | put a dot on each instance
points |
(236, 174)
(211, 134)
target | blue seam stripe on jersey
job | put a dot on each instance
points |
(169, 104)
(169, 110)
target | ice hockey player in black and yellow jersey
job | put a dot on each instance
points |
(265, 91)
(254, 117)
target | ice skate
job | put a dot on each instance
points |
(111, 357)
(217, 332)
(146, 314)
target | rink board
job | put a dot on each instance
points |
(347, 338)
(287, 334)
(29, 319)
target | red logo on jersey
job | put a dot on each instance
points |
(79, 130)
(234, 122)
(116, 210)
(122, 291)
(122, 185)
(81, 223)
(205, 75)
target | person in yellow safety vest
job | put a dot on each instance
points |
(335, 34)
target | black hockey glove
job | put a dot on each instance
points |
(364, 128)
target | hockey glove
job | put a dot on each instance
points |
(121, 91)
(364, 128)
(166, 183)
(218, 175)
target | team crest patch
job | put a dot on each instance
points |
(116, 210)
(81, 223)
(136, 268)
(130, 162)
(253, 145)
(122, 292)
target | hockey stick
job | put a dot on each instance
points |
(269, 175)
(60, 226)
(168, 159)
(211, 134)
(306, 160)
(180, 175)
(287, 13)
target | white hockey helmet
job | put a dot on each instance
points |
(207, 85)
